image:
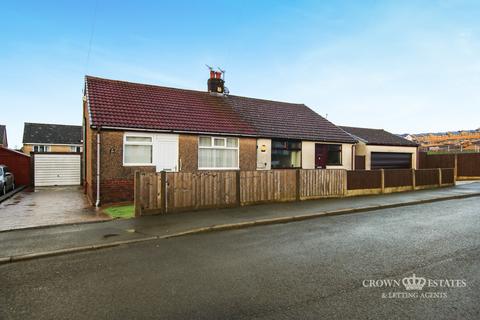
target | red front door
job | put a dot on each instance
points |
(321, 154)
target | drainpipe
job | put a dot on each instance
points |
(97, 203)
(353, 157)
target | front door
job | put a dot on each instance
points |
(321, 155)
(166, 152)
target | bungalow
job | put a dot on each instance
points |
(379, 149)
(131, 126)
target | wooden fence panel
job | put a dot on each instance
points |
(430, 161)
(468, 164)
(200, 190)
(398, 178)
(147, 193)
(426, 177)
(448, 176)
(322, 183)
(267, 186)
(364, 179)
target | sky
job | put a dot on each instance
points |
(404, 66)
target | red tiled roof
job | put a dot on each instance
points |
(139, 106)
(273, 119)
(132, 105)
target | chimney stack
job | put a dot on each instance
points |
(216, 84)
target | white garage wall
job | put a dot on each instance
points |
(369, 149)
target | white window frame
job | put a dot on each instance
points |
(46, 148)
(125, 143)
(74, 149)
(212, 146)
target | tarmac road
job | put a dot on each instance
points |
(304, 270)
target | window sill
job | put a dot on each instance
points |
(138, 165)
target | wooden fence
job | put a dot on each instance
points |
(467, 165)
(315, 184)
(268, 186)
(393, 180)
(181, 191)
(198, 190)
(398, 178)
(364, 179)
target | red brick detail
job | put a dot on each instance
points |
(116, 190)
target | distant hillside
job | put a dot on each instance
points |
(462, 140)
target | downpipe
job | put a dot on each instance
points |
(97, 203)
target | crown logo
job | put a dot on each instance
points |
(414, 283)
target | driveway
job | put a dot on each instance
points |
(47, 206)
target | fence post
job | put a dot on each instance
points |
(297, 183)
(455, 168)
(237, 186)
(383, 180)
(163, 192)
(414, 182)
(136, 194)
(345, 182)
(439, 177)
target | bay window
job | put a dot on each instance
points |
(217, 153)
(137, 150)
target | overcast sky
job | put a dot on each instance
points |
(400, 65)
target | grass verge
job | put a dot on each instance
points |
(125, 212)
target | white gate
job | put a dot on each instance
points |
(52, 169)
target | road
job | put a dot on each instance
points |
(305, 270)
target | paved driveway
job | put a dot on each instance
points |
(47, 206)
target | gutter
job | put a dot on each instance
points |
(97, 202)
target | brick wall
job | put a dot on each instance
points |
(116, 182)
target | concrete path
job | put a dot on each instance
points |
(24, 243)
(46, 206)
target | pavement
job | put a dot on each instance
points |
(311, 269)
(35, 243)
(47, 206)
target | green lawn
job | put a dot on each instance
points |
(121, 211)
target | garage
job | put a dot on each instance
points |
(57, 169)
(391, 160)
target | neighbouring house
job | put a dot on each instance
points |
(132, 126)
(3, 136)
(379, 149)
(44, 137)
(56, 153)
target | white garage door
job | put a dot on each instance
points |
(57, 169)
